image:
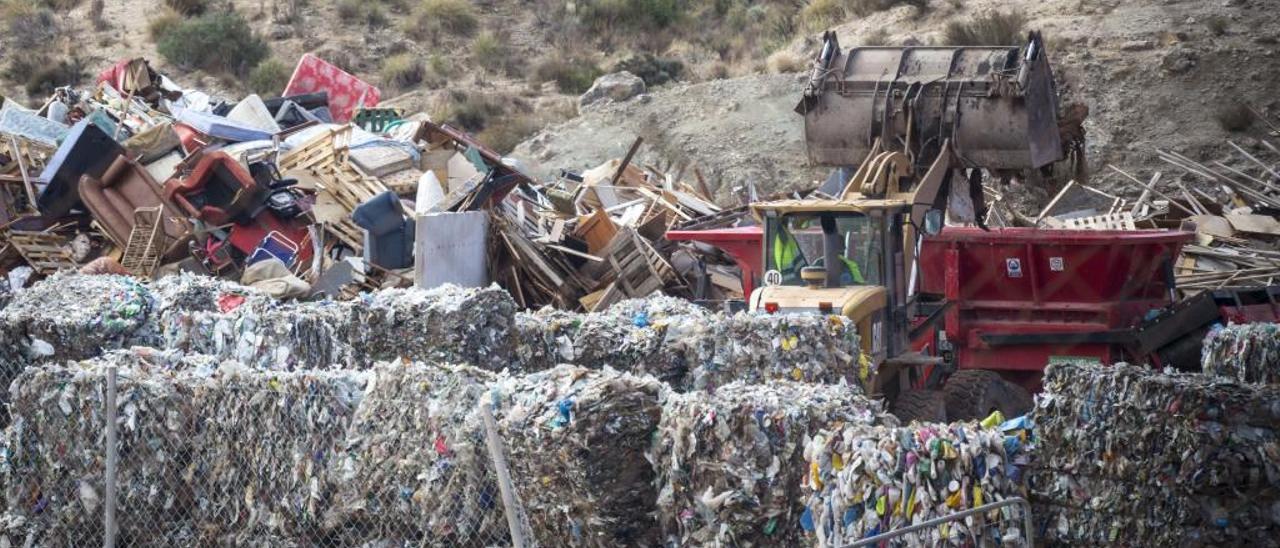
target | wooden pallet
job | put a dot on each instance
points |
(638, 268)
(146, 242)
(46, 252)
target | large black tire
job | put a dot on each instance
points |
(920, 405)
(974, 394)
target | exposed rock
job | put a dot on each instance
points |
(617, 87)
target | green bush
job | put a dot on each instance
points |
(435, 17)
(350, 9)
(189, 8)
(995, 29)
(571, 75)
(215, 42)
(269, 78)
(402, 71)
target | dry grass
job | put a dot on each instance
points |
(822, 14)
(863, 8)
(786, 62)
(402, 71)
(189, 8)
(573, 75)
(435, 18)
(995, 29)
(878, 37)
(161, 24)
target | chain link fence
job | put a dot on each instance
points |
(306, 460)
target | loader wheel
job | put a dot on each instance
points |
(920, 405)
(974, 394)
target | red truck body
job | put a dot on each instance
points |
(1021, 297)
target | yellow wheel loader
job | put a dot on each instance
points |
(923, 125)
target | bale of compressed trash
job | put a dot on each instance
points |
(759, 347)
(730, 464)
(415, 469)
(447, 324)
(576, 440)
(70, 316)
(544, 338)
(1130, 455)
(1245, 352)
(864, 480)
(54, 462)
(263, 449)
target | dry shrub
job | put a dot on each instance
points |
(39, 75)
(785, 61)
(434, 18)
(470, 111)
(573, 75)
(189, 8)
(655, 71)
(161, 24)
(492, 51)
(821, 14)
(29, 26)
(878, 37)
(504, 133)
(863, 8)
(1234, 116)
(1217, 24)
(994, 29)
(402, 71)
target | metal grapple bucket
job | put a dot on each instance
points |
(996, 104)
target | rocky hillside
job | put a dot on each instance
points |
(722, 75)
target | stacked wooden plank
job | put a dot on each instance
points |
(591, 240)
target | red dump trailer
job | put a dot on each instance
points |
(1012, 300)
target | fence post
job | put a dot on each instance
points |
(499, 457)
(109, 506)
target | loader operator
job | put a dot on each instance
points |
(789, 259)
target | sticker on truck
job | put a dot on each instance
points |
(1014, 267)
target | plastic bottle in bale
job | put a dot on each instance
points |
(576, 440)
(730, 464)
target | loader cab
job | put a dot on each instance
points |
(831, 249)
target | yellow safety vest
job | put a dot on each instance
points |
(853, 270)
(785, 251)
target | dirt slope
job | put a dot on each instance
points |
(1153, 73)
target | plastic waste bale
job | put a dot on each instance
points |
(577, 440)
(72, 317)
(730, 464)
(263, 448)
(236, 322)
(761, 347)
(447, 324)
(545, 338)
(1131, 455)
(1244, 352)
(415, 468)
(53, 462)
(865, 480)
